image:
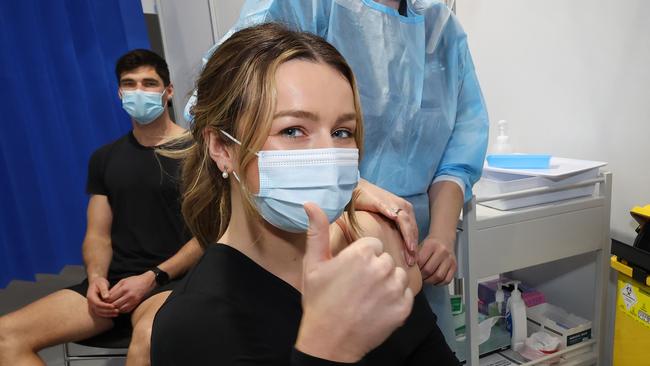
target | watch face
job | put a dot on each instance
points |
(162, 278)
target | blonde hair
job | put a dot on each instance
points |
(236, 93)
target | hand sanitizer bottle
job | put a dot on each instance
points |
(502, 145)
(516, 319)
(499, 298)
(498, 307)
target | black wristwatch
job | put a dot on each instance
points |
(162, 277)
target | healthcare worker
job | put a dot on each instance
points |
(426, 121)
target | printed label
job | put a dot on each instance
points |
(578, 337)
(627, 292)
(634, 301)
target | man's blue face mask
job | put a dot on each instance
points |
(289, 178)
(143, 106)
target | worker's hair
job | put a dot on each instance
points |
(141, 57)
(236, 93)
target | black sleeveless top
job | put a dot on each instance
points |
(230, 311)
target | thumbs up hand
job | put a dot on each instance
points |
(352, 302)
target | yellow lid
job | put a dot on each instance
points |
(641, 214)
(625, 269)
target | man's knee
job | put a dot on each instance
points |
(3, 331)
(9, 335)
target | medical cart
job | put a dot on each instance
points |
(492, 242)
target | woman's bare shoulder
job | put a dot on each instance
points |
(371, 224)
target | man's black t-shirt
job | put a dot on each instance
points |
(230, 311)
(143, 190)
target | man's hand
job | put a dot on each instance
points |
(374, 199)
(129, 292)
(352, 302)
(437, 261)
(96, 295)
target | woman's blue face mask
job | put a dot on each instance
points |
(290, 178)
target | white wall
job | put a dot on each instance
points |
(571, 77)
(189, 28)
(224, 15)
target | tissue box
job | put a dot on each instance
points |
(571, 328)
(486, 291)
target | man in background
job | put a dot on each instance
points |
(136, 245)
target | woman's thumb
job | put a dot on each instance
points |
(318, 236)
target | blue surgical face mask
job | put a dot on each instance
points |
(143, 106)
(289, 178)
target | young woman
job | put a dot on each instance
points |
(277, 131)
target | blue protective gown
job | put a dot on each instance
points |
(424, 115)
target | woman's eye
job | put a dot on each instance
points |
(342, 134)
(292, 132)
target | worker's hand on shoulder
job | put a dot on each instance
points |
(351, 302)
(372, 198)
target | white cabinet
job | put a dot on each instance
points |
(493, 242)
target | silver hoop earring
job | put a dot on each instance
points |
(224, 175)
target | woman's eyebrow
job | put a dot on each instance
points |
(297, 114)
(346, 117)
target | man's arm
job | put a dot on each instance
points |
(97, 253)
(127, 294)
(183, 260)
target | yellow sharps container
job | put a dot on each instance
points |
(632, 329)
